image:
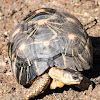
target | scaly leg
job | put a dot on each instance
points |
(38, 86)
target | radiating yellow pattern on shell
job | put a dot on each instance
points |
(71, 19)
(72, 36)
(36, 12)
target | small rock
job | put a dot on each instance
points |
(6, 33)
(56, 3)
(97, 80)
(15, 22)
(97, 2)
(1, 58)
(43, 6)
(2, 63)
(96, 9)
(0, 14)
(5, 47)
(4, 43)
(2, 38)
(86, 14)
(9, 73)
(0, 17)
(12, 90)
(6, 59)
(90, 18)
(5, 90)
(77, 1)
(3, 70)
(0, 81)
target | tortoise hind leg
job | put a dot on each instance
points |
(38, 86)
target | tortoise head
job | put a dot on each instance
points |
(66, 76)
(71, 77)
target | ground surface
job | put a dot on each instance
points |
(12, 12)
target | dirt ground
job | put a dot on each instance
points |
(12, 12)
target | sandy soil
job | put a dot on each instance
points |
(12, 12)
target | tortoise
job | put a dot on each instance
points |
(49, 44)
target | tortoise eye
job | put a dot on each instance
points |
(75, 77)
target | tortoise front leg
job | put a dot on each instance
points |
(38, 86)
(56, 83)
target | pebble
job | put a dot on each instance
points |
(6, 58)
(2, 63)
(9, 73)
(2, 38)
(98, 2)
(1, 58)
(3, 70)
(97, 80)
(5, 90)
(86, 14)
(56, 3)
(43, 6)
(90, 18)
(0, 18)
(5, 47)
(6, 33)
(0, 14)
(4, 43)
(96, 9)
(15, 22)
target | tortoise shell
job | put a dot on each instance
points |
(47, 38)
